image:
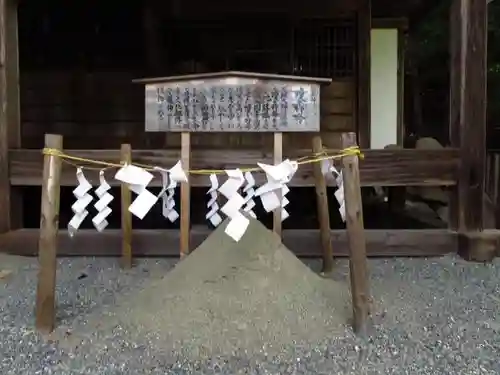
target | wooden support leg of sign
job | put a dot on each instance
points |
(185, 195)
(278, 158)
(47, 246)
(323, 211)
(126, 201)
(356, 234)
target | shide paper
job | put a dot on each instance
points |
(213, 207)
(83, 199)
(238, 188)
(249, 191)
(170, 180)
(339, 195)
(105, 198)
(273, 193)
(330, 172)
(176, 175)
(230, 189)
(137, 180)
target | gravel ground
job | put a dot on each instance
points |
(436, 316)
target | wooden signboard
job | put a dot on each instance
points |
(231, 102)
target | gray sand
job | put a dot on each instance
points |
(431, 317)
(232, 296)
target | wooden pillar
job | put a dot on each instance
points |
(358, 269)
(47, 246)
(363, 101)
(10, 128)
(126, 201)
(468, 51)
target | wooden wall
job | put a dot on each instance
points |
(104, 109)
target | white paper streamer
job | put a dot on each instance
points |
(167, 196)
(212, 206)
(272, 194)
(332, 174)
(339, 195)
(249, 194)
(105, 198)
(329, 171)
(83, 199)
(277, 178)
(176, 175)
(238, 223)
(138, 179)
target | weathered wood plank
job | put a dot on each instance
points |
(4, 130)
(379, 167)
(112, 135)
(10, 199)
(363, 109)
(304, 243)
(468, 81)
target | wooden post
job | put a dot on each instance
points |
(47, 245)
(10, 128)
(278, 158)
(363, 107)
(468, 52)
(126, 201)
(356, 234)
(496, 175)
(487, 177)
(323, 210)
(185, 195)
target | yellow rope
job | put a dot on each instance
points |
(315, 158)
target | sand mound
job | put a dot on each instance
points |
(246, 295)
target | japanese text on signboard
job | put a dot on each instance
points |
(243, 107)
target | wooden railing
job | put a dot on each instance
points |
(404, 167)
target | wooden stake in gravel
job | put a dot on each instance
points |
(47, 245)
(358, 269)
(323, 209)
(126, 201)
(185, 196)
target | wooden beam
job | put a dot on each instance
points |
(400, 23)
(165, 242)
(363, 101)
(10, 133)
(480, 246)
(379, 167)
(468, 81)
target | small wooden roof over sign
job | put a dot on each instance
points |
(232, 102)
(233, 73)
